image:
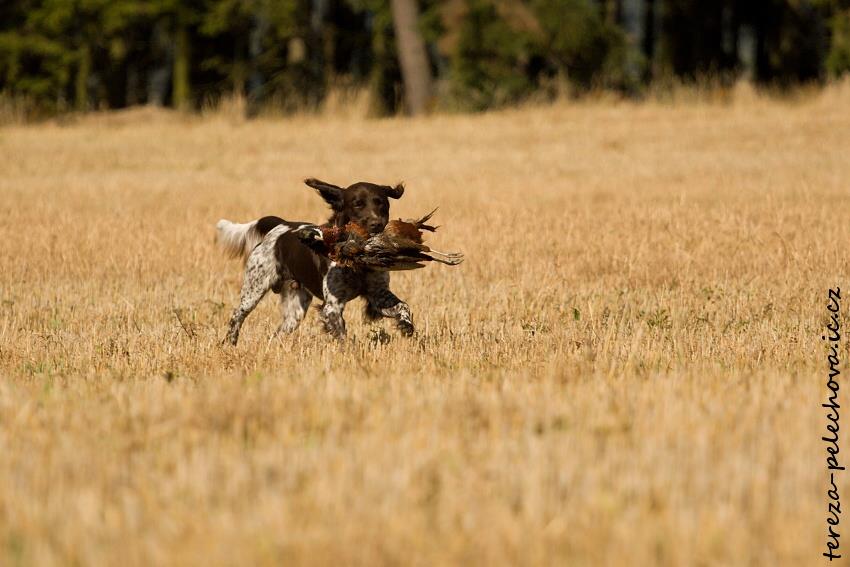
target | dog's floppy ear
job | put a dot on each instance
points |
(394, 192)
(329, 192)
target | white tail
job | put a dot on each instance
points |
(237, 240)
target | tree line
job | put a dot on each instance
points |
(413, 55)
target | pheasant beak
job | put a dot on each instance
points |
(310, 233)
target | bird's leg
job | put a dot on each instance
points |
(450, 258)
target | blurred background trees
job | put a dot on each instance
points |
(412, 55)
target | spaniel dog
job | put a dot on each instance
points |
(276, 260)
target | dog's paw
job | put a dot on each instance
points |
(406, 328)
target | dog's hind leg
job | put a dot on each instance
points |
(294, 302)
(260, 276)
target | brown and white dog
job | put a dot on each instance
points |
(276, 260)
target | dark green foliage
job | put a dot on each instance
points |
(505, 55)
(792, 40)
(489, 66)
(89, 54)
(384, 76)
(692, 44)
(580, 44)
(246, 47)
(838, 61)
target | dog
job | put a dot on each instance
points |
(276, 260)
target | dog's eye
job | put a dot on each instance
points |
(358, 204)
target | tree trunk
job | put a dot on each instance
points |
(159, 75)
(81, 84)
(239, 74)
(315, 85)
(259, 30)
(415, 70)
(649, 35)
(180, 94)
(612, 12)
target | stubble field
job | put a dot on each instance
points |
(627, 369)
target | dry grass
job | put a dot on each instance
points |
(626, 370)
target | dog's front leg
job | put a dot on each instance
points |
(388, 305)
(338, 290)
(332, 316)
(384, 303)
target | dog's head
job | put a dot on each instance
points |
(367, 204)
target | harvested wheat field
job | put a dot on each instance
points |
(626, 370)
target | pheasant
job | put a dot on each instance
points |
(398, 247)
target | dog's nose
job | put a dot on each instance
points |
(375, 227)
